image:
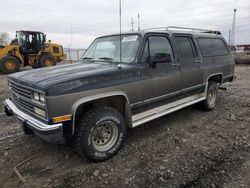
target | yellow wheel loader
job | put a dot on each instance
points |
(29, 48)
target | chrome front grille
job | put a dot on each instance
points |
(20, 90)
(22, 103)
(21, 96)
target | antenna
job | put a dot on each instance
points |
(139, 27)
(120, 15)
(132, 24)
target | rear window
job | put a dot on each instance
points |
(212, 47)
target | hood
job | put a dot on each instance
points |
(43, 77)
(73, 77)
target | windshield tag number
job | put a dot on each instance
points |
(130, 38)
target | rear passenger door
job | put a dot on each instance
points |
(191, 73)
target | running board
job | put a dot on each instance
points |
(157, 112)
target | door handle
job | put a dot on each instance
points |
(175, 65)
(197, 61)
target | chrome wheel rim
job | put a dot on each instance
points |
(211, 97)
(104, 136)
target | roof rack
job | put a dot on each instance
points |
(184, 28)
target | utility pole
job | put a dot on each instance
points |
(70, 49)
(132, 24)
(229, 37)
(139, 27)
(233, 29)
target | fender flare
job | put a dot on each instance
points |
(218, 73)
(92, 98)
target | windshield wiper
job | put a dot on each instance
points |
(106, 58)
(87, 58)
(112, 60)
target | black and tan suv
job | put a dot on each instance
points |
(93, 102)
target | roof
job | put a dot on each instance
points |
(29, 31)
(176, 30)
(170, 32)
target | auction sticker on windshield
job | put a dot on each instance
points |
(130, 38)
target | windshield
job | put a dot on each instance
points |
(108, 48)
(28, 37)
(21, 38)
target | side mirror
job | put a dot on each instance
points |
(162, 58)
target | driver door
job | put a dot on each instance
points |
(160, 81)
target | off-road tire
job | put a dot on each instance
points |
(211, 98)
(45, 58)
(84, 139)
(9, 64)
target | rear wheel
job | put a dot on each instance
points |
(9, 64)
(211, 99)
(100, 133)
(47, 60)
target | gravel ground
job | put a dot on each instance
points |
(189, 148)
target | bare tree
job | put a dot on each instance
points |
(4, 38)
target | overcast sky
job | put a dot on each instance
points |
(91, 18)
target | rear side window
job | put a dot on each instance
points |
(184, 47)
(212, 47)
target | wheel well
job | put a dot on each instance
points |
(19, 60)
(45, 53)
(218, 78)
(119, 103)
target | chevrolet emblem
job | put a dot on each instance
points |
(18, 96)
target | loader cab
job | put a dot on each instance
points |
(30, 42)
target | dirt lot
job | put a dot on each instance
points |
(189, 148)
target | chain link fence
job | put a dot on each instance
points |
(74, 54)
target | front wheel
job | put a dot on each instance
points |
(47, 60)
(9, 64)
(212, 94)
(100, 133)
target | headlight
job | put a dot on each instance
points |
(39, 112)
(42, 98)
(39, 97)
(36, 96)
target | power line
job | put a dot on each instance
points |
(187, 10)
(195, 13)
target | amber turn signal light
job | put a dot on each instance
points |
(61, 118)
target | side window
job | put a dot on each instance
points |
(212, 47)
(185, 48)
(41, 37)
(156, 44)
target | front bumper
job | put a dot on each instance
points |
(50, 133)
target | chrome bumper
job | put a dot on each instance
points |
(50, 133)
